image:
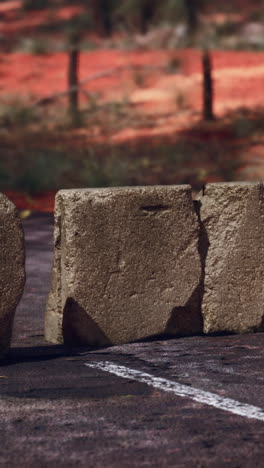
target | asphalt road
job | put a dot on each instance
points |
(57, 410)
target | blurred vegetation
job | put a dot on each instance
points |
(29, 5)
(40, 150)
(35, 161)
(128, 15)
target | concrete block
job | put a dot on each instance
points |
(126, 266)
(12, 269)
(232, 240)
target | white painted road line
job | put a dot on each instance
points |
(201, 396)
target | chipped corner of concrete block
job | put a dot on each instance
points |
(126, 265)
(232, 219)
(12, 269)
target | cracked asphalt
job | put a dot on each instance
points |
(56, 411)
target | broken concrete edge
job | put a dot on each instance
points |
(52, 322)
(12, 269)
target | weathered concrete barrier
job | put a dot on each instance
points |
(12, 270)
(232, 249)
(126, 266)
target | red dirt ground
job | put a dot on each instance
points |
(238, 82)
(238, 77)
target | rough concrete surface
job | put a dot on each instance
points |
(232, 240)
(12, 270)
(126, 265)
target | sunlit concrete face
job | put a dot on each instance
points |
(12, 269)
(126, 265)
(232, 215)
